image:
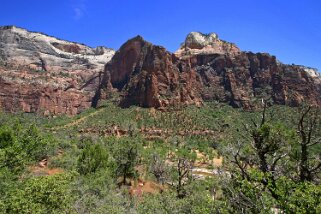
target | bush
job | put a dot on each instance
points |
(126, 156)
(36, 145)
(41, 195)
(23, 146)
(92, 158)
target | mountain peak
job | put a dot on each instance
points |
(58, 76)
(198, 40)
(138, 37)
(200, 43)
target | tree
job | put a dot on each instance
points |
(92, 158)
(158, 168)
(96, 193)
(36, 145)
(23, 146)
(309, 164)
(264, 150)
(6, 137)
(126, 156)
(184, 160)
(264, 176)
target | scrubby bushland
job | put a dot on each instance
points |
(271, 160)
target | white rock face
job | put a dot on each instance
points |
(198, 43)
(21, 47)
(312, 72)
(198, 40)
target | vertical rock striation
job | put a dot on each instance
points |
(206, 68)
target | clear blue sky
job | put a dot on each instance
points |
(289, 29)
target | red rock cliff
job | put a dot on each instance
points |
(149, 76)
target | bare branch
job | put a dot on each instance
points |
(275, 161)
(263, 113)
(316, 168)
(314, 143)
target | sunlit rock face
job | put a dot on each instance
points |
(206, 69)
(198, 43)
(40, 73)
(149, 76)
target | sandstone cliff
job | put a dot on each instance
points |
(206, 68)
(149, 76)
(40, 73)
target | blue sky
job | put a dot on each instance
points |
(289, 29)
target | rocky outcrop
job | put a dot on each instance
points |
(40, 73)
(244, 79)
(198, 43)
(149, 76)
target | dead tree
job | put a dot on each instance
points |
(184, 167)
(158, 169)
(308, 126)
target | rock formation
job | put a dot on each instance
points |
(206, 68)
(198, 43)
(40, 73)
(150, 76)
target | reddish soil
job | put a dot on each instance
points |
(43, 170)
(145, 187)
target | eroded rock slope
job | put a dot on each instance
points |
(40, 73)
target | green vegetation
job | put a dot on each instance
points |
(40, 195)
(93, 157)
(135, 160)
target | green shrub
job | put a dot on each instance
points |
(41, 195)
(125, 156)
(23, 146)
(92, 158)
